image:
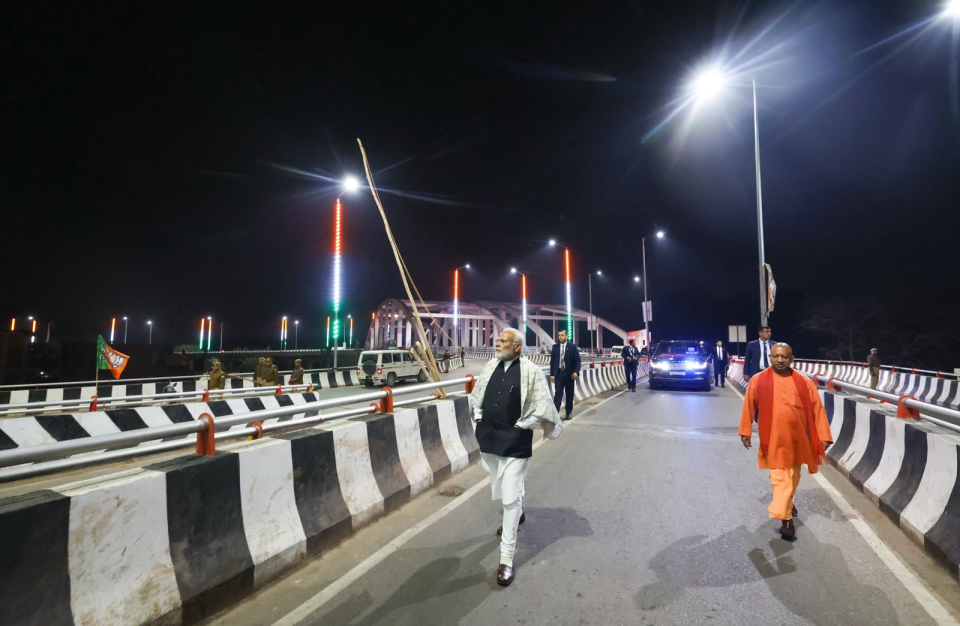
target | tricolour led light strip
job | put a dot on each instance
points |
(336, 274)
(566, 262)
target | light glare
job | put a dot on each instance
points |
(952, 9)
(350, 184)
(659, 234)
(708, 82)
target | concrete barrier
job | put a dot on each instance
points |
(909, 468)
(178, 540)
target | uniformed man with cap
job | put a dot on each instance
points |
(271, 375)
(218, 378)
(258, 372)
(296, 378)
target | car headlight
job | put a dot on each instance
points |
(661, 366)
(703, 365)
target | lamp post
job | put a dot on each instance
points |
(349, 184)
(567, 284)
(523, 299)
(646, 303)
(350, 317)
(209, 332)
(296, 334)
(592, 320)
(221, 336)
(707, 84)
(456, 302)
(124, 330)
(150, 339)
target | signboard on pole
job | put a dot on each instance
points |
(737, 335)
(771, 289)
(648, 310)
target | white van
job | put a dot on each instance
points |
(377, 367)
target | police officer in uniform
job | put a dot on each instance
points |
(270, 372)
(296, 378)
(218, 378)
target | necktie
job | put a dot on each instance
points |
(718, 354)
(563, 348)
(766, 356)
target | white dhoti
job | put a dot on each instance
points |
(507, 476)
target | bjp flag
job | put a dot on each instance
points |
(110, 359)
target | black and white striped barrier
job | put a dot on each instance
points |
(325, 379)
(930, 389)
(907, 467)
(180, 539)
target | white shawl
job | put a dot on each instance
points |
(536, 405)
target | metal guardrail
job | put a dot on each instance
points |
(891, 368)
(21, 409)
(155, 379)
(47, 458)
(907, 406)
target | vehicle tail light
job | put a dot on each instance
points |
(379, 371)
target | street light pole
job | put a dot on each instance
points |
(221, 336)
(646, 305)
(296, 334)
(124, 330)
(756, 153)
(590, 291)
(150, 326)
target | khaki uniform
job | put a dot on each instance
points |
(258, 373)
(296, 378)
(218, 379)
(271, 375)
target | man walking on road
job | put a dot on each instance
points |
(757, 357)
(509, 400)
(631, 359)
(564, 370)
(873, 362)
(793, 430)
(720, 361)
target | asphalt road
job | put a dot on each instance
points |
(647, 510)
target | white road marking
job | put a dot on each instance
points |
(904, 574)
(328, 593)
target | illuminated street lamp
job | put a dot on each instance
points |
(567, 276)
(646, 303)
(350, 184)
(952, 9)
(150, 338)
(456, 302)
(706, 85)
(593, 322)
(523, 299)
(296, 334)
(125, 329)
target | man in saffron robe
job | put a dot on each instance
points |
(793, 430)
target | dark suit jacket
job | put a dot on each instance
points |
(722, 360)
(571, 358)
(630, 352)
(751, 358)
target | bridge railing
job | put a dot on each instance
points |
(907, 405)
(94, 403)
(60, 456)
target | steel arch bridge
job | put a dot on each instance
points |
(477, 324)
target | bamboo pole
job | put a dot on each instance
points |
(432, 369)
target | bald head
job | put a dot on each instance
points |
(781, 358)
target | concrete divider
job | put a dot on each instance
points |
(178, 540)
(909, 468)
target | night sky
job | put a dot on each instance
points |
(175, 160)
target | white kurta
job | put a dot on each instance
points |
(508, 474)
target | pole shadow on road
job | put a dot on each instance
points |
(448, 584)
(809, 578)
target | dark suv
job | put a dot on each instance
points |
(679, 363)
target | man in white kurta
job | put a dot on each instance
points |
(509, 400)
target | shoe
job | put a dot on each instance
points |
(787, 529)
(567, 418)
(793, 511)
(523, 518)
(504, 575)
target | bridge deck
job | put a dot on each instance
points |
(646, 511)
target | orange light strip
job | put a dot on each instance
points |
(13, 324)
(33, 327)
(523, 282)
(456, 284)
(566, 262)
